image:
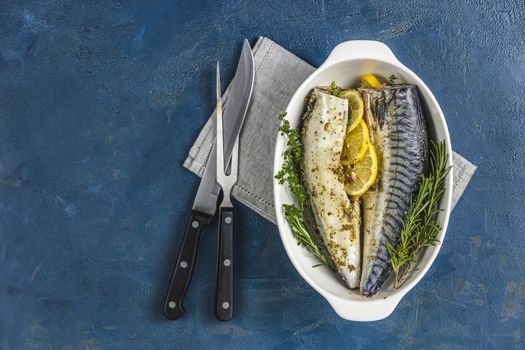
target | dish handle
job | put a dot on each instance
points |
(365, 49)
(365, 311)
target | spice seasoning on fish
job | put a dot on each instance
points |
(324, 155)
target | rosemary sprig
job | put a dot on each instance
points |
(304, 238)
(420, 229)
(291, 173)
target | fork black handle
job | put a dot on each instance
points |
(224, 292)
(180, 280)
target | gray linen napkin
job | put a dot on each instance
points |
(278, 73)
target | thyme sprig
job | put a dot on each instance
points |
(420, 228)
(293, 155)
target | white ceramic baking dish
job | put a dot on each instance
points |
(346, 64)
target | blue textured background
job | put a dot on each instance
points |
(99, 104)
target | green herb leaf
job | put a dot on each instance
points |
(335, 90)
(392, 79)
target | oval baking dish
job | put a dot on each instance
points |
(346, 64)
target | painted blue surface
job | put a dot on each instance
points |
(99, 104)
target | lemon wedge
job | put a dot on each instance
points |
(356, 107)
(356, 144)
(370, 81)
(362, 174)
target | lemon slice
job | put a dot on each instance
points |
(370, 81)
(362, 174)
(356, 143)
(356, 108)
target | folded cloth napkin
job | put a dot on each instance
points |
(278, 73)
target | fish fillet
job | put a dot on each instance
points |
(337, 217)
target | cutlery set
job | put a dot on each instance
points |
(220, 174)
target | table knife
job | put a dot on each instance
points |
(205, 204)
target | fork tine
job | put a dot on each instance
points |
(218, 83)
(220, 141)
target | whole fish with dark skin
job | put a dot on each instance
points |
(399, 135)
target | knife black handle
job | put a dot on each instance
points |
(224, 293)
(173, 308)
